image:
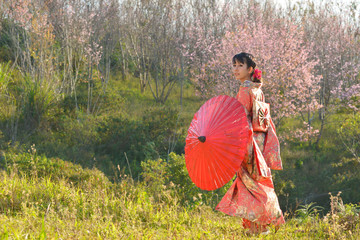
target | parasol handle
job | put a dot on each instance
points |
(202, 139)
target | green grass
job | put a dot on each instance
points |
(44, 198)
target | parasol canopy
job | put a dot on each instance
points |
(218, 140)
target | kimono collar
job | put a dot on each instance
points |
(251, 84)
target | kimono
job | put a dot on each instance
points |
(252, 196)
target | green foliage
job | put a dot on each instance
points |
(140, 140)
(5, 71)
(26, 104)
(30, 164)
(119, 136)
(154, 176)
(346, 177)
(72, 140)
(349, 133)
(304, 212)
(310, 173)
(160, 125)
(173, 175)
(185, 188)
(38, 99)
(6, 42)
(128, 122)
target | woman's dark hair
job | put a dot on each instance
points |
(247, 58)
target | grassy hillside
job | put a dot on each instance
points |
(73, 175)
(43, 198)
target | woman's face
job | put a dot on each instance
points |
(241, 71)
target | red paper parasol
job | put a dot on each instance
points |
(217, 141)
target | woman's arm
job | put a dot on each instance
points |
(245, 98)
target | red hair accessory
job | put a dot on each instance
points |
(257, 74)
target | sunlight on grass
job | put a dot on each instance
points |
(49, 198)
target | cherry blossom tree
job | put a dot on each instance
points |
(86, 32)
(281, 54)
(308, 57)
(335, 45)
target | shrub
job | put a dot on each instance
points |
(186, 190)
(308, 211)
(26, 104)
(155, 176)
(342, 218)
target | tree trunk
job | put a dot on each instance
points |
(181, 80)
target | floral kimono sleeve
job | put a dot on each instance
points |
(272, 149)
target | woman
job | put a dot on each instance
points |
(252, 196)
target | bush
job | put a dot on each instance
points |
(155, 176)
(39, 166)
(140, 140)
(26, 104)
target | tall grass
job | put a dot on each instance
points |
(43, 198)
